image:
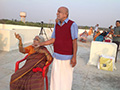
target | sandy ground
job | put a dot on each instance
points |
(86, 77)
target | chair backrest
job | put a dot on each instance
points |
(101, 48)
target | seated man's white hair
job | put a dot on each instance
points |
(41, 38)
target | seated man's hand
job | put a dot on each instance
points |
(18, 37)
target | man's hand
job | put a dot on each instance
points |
(18, 37)
(73, 61)
(36, 44)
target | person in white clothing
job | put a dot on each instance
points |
(64, 40)
(95, 29)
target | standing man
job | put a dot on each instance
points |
(116, 36)
(64, 39)
(95, 29)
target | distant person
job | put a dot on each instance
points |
(29, 77)
(110, 28)
(95, 29)
(64, 40)
(90, 31)
(83, 36)
(104, 33)
(116, 36)
(109, 36)
(96, 35)
(101, 36)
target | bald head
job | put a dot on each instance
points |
(65, 10)
(62, 13)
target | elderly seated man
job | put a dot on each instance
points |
(25, 78)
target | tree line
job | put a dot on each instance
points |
(39, 24)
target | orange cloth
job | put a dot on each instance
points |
(90, 32)
(97, 34)
(29, 49)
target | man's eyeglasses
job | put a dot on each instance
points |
(36, 39)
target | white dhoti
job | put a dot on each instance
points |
(61, 75)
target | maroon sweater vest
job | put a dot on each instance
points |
(63, 39)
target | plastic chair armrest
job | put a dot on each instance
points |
(44, 69)
(17, 63)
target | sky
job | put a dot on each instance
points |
(83, 12)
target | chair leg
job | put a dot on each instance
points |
(46, 82)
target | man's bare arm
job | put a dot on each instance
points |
(21, 49)
(73, 60)
(51, 41)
